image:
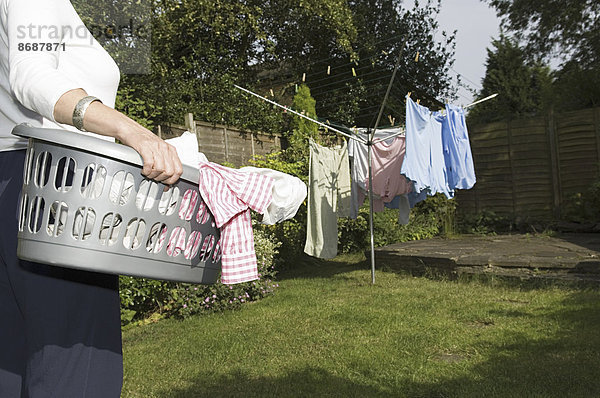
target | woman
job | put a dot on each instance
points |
(59, 328)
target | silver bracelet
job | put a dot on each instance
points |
(80, 109)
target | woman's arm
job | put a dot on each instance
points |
(161, 162)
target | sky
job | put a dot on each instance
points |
(476, 24)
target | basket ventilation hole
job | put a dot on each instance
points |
(57, 218)
(28, 165)
(42, 169)
(110, 228)
(217, 253)
(36, 212)
(93, 180)
(202, 216)
(121, 187)
(156, 238)
(193, 245)
(83, 224)
(134, 233)
(64, 174)
(168, 201)
(176, 241)
(207, 247)
(146, 195)
(24, 211)
(188, 204)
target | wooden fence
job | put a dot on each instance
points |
(529, 168)
(223, 143)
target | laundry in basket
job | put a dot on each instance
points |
(86, 205)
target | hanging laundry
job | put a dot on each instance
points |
(230, 194)
(387, 162)
(328, 198)
(358, 153)
(387, 158)
(457, 149)
(424, 162)
(402, 203)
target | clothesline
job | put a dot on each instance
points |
(301, 115)
(369, 142)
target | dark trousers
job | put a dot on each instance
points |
(60, 333)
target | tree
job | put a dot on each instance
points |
(302, 129)
(523, 88)
(201, 48)
(567, 29)
(349, 87)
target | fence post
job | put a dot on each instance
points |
(512, 168)
(252, 142)
(554, 162)
(190, 124)
(226, 144)
(597, 125)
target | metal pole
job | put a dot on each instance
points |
(402, 131)
(369, 145)
(480, 101)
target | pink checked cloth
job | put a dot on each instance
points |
(230, 194)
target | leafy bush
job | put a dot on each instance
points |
(142, 297)
(484, 223)
(583, 206)
(432, 217)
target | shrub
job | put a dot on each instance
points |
(484, 223)
(432, 217)
(142, 297)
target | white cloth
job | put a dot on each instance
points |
(31, 82)
(288, 191)
(187, 149)
(288, 194)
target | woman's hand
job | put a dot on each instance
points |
(161, 162)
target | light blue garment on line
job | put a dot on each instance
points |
(457, 149)
(424, 161)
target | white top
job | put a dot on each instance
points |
(45, 51)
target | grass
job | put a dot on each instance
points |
(328, 332)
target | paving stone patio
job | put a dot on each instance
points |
(573, 257)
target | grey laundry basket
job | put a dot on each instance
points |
(85, 205)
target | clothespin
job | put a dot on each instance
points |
(418, 101)
(271, 90)
(391, 119)
(353, 72)
(303, 77)
(328, 69)
(417, 57)
(409, 93)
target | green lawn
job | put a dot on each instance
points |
(327, 332)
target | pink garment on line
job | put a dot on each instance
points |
(387, 181)
(230, 194)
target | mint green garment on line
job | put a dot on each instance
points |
(328, 198)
